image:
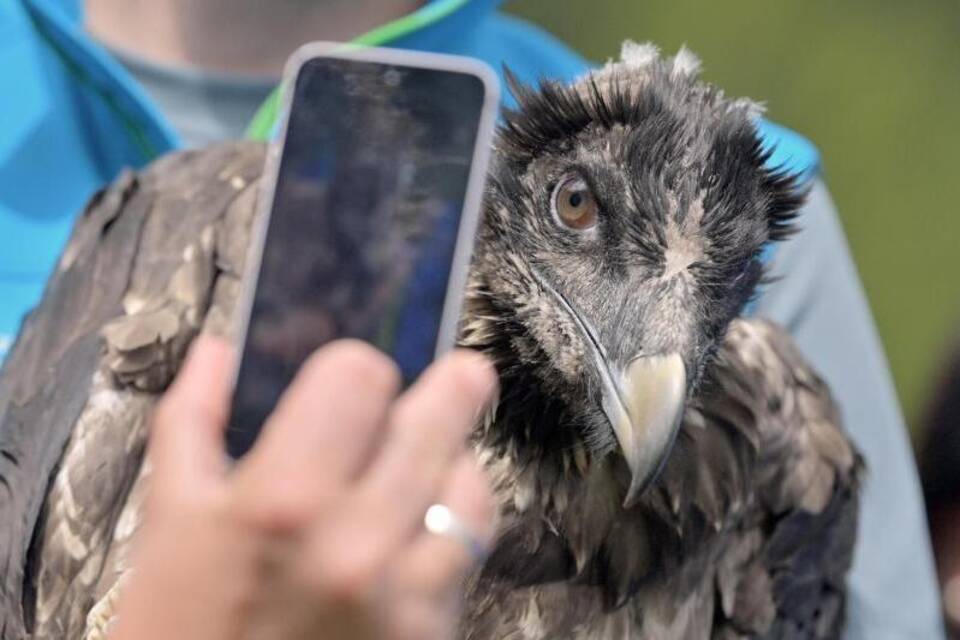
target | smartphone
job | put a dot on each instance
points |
(369, 205)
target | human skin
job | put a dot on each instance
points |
(318, 531)
(232, 36)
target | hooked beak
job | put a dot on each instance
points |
(644, 403)
(644, 407)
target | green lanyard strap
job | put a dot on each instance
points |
(264, 121)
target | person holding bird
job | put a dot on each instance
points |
(112, 93)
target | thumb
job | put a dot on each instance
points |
(186, 439)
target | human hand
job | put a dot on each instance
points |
(318, 532)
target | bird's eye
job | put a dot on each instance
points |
(574, 205)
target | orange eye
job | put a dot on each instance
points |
(574, 204)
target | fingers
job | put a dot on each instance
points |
(427, 579)
(413, 618)
(353, 565)
(435, 564)
(358, 537)
(338, 434)
(321, 433)
(469, 496)
(427, 431)
(187, 431)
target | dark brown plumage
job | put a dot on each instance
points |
(154, 258)
(747, 533)
(747, 530)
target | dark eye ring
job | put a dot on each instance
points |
(573, 204)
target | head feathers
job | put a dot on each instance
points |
(677, 121)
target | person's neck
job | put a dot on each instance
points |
(233, 36)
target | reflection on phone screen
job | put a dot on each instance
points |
(365, 216)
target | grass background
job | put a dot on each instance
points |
(876, 85)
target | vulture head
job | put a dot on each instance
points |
(625, 219)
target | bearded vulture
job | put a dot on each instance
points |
(664, 468)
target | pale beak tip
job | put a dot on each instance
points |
(633, 495)
(638, 486)
(653, 389)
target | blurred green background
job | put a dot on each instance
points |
(876, 85)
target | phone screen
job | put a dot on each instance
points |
(366, 211)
